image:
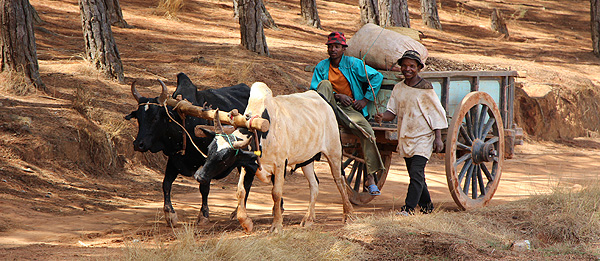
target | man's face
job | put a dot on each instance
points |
(335, 50)
(409, 68)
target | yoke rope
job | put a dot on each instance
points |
(170, 117)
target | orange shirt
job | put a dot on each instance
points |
(339, 82)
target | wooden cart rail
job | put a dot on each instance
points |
(452, 86)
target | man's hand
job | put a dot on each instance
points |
(379, 117)
(344, 99)
(359, 105)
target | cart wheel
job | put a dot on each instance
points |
(354, 171)
(474, 151)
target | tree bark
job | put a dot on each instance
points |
(595, 19)
(251, 26)
(116, 15)
(268, 21)
(393, 13)
(36, 17)
(368, 11)
(17, 40)
(100, 46)
(236, 9)
(429, 14)
(498, 23)
(404, 17)
(310, 14)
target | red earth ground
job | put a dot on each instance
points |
(69, 177)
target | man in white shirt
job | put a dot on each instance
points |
(421, 118)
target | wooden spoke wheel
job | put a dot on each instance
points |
(474, 151)
(354, 171)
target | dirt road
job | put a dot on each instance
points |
(536, 168)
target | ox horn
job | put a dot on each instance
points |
(163, 94)
(136, 95)
(217, 123)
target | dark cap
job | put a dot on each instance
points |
(337, 37)
(412, 54)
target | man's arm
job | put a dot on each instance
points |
(386, 116)
(438, 144)
(318, 76)
(373, 81)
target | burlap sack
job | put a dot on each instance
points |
(386, 50)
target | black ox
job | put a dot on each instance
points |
(157, 132)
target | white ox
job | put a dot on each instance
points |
(302, 126)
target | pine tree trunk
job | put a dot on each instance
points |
(236, 9)
(268, 21)
(429, 14)
(116, 15)
(310, 14)
(251, 26)
(368, 11)
(595, 13)
(17, 40)
(100, 46)
(404, 17)
(393, 13)
(36, 17)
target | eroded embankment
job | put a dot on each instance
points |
(555, 111)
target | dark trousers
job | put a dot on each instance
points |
(417, 189)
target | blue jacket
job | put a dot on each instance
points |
(354, 70)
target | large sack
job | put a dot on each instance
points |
(386, 50)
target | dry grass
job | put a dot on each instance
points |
(168, 8)
(564, 224)
(16, 83)
(307, 245)
(566, 216)
(234, 73)
(99, 142)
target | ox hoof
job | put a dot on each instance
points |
(171, 218)
(348, 219)
(307, 223)
(276, 229)
(202, 220)
(247, 225)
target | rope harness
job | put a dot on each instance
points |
(229, 141)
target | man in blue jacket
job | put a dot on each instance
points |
(342, 80)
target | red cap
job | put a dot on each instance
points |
(337, 37)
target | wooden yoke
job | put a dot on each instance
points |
(233, 118)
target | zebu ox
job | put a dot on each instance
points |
(302, 126)
(158, 132)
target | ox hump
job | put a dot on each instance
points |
(259, 95)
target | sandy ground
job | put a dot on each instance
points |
(537, 168)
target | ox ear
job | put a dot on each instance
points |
(131, 115)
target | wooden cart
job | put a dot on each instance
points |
(481, 134)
